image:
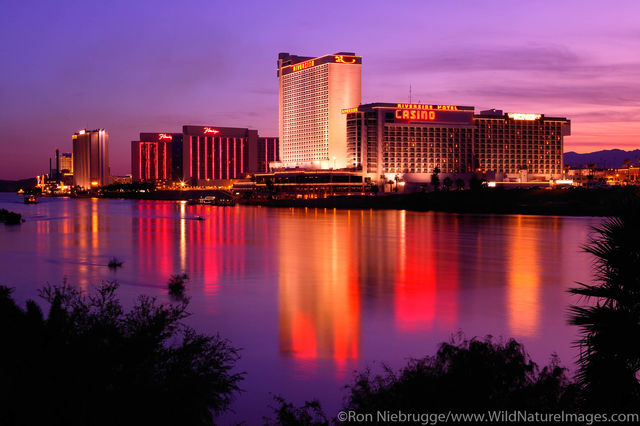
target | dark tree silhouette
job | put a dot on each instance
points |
(287, 414)
(177, 284)
(609, 344)
(447, 182)
(10, 218)
(467, 376)
(114, 263)
(91, 363)
(475, 183)
(459, 184)
(464, 376)
(435, 179)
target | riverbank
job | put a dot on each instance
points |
(555, 202)
(552, 202)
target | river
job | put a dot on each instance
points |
(310, 295)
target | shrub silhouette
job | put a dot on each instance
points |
(464, 376)
(10, 218)
(177, 284)
(90, 362)
(114, 263)
(287, 414)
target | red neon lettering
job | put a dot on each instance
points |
(210, 130)
(406, 114)
(303, 65)
(164, 136)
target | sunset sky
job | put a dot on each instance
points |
(132, 66)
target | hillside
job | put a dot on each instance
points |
(15, 185)
(608, 158)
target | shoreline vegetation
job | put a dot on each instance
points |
(551, 202)
(10, 218)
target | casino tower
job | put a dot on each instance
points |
(312, 92)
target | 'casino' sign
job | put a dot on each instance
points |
(407, 113)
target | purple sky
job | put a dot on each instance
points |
(132, 66)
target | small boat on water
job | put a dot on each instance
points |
(211, 200)
(30, 199)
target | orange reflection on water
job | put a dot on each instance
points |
(319, 297)
(523, 285)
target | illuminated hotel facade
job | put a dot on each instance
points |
(201, 155)
(66, 163)
(157, 156)
(91, 158)
(311, 95)
(217, 153)
(411, 140)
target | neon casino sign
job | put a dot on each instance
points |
(413, 114)
(342, 59)
(440, 113)
(164, 136)
(304, 65)
(526, 117)
(210, 130)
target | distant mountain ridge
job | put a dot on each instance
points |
(15, 185)
(605, 159)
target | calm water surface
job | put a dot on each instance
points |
(310, 295)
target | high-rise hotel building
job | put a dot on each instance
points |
(157, 157)
(312, 92)
(91, 158)
(411, 140)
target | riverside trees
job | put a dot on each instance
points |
(90, 362)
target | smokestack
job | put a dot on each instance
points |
(57, 165)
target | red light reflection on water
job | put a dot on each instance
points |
(172, 240)
(426, 282)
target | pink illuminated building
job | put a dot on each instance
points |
(201, 155)
(157, 157)
(212, 153)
